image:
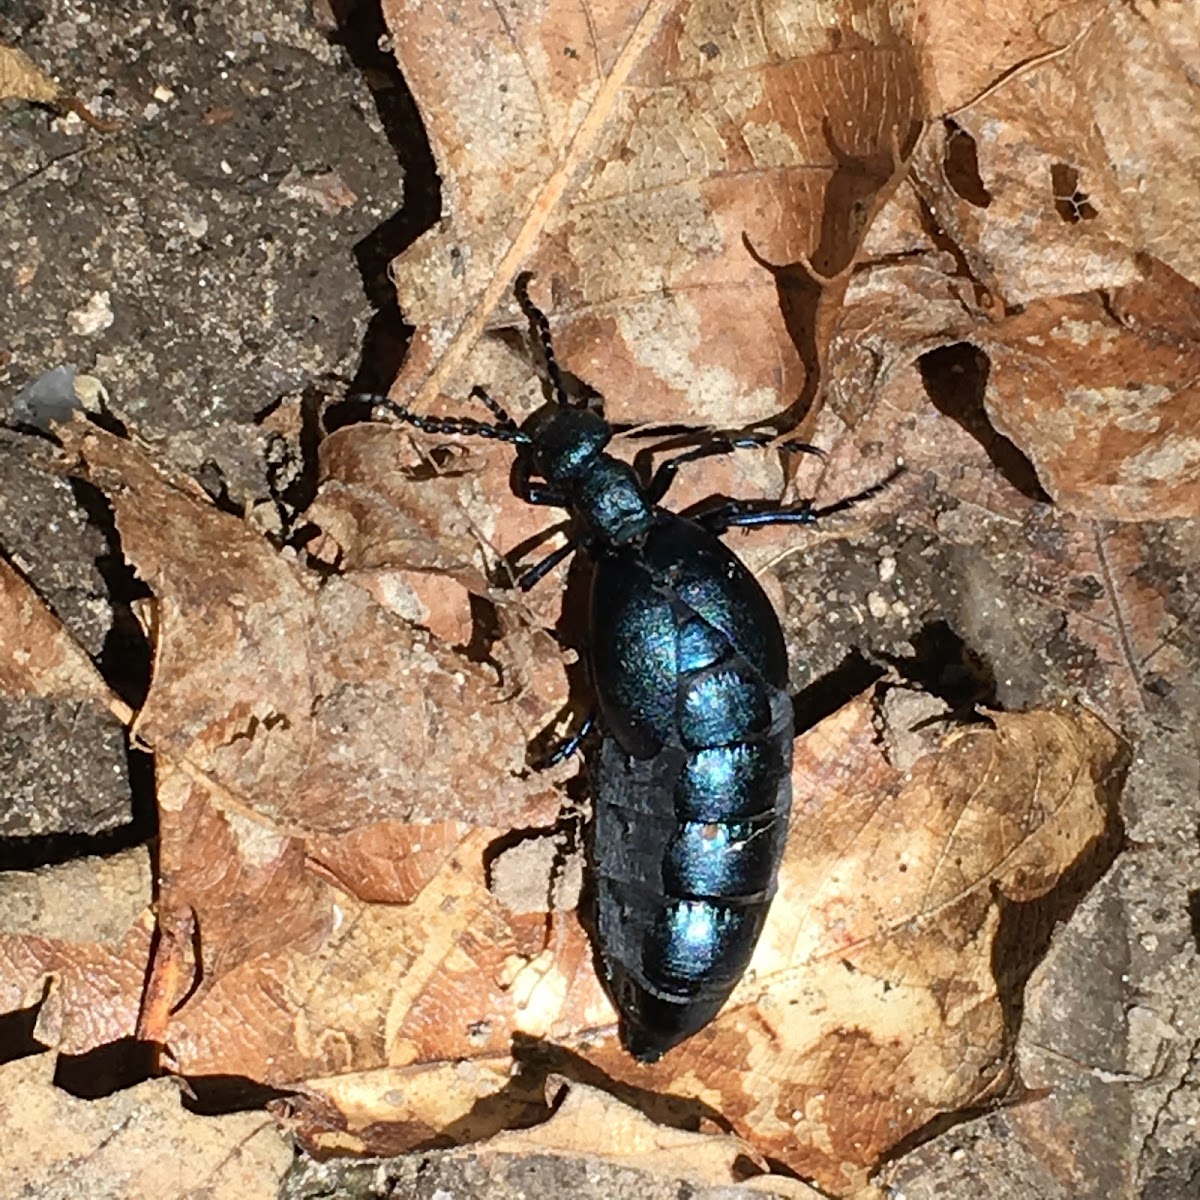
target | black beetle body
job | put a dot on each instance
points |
(692, 781)
(692, 785)
(691, 789)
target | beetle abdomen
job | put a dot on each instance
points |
(666, 609)
(685, 850)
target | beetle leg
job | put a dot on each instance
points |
(536, 493)
(568, 746)
(749, 513)
(538, 572)
(664, 476)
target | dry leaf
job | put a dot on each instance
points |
(872, 1003)
(589, 1123)
(74, 940)
(37, 655)
(624, 154)
(308, 706)
(1038, 239)
(22, 79)
(136, 1144)
(668, 171)
(969, 47)
(1113, 422)
(89, 992)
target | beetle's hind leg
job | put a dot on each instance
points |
(750, 513)
(563, 749)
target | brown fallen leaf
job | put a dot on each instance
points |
(968, 49)
(74, 940)
(690, 186)
(1037, 258)
(141, 1144)
(306, 705)
(1113, 424)
(589, 1123)
(37, 655)
(624, 155)
(88, 993)
(879, 997)
(389, 862)
(22, 79)
(1029, 193)
(299, 980)
(881, 1005)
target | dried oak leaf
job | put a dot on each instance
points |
(74, 942)
(37, 655)
(299, 980)
(406, 544)
(967, 47)
(1040, 239)
(140, 1144)
(74, 938)
(1104, 392)
(304, 703)
(624, 152)
(881, 995)
(1092, 607)
(589, 1123)
(255, 667)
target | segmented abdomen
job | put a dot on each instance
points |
(686, 844)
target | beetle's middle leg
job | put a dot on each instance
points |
(563, 749)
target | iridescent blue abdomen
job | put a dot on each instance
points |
(691, 787)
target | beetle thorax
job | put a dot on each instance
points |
(610, 500)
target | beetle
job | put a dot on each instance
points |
(691, 785)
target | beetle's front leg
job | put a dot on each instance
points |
(536, 493)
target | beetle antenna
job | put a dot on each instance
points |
(539, 323)
(503, 431)
(494, 407)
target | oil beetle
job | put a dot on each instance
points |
(691, 786)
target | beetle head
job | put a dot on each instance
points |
(563, 441)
